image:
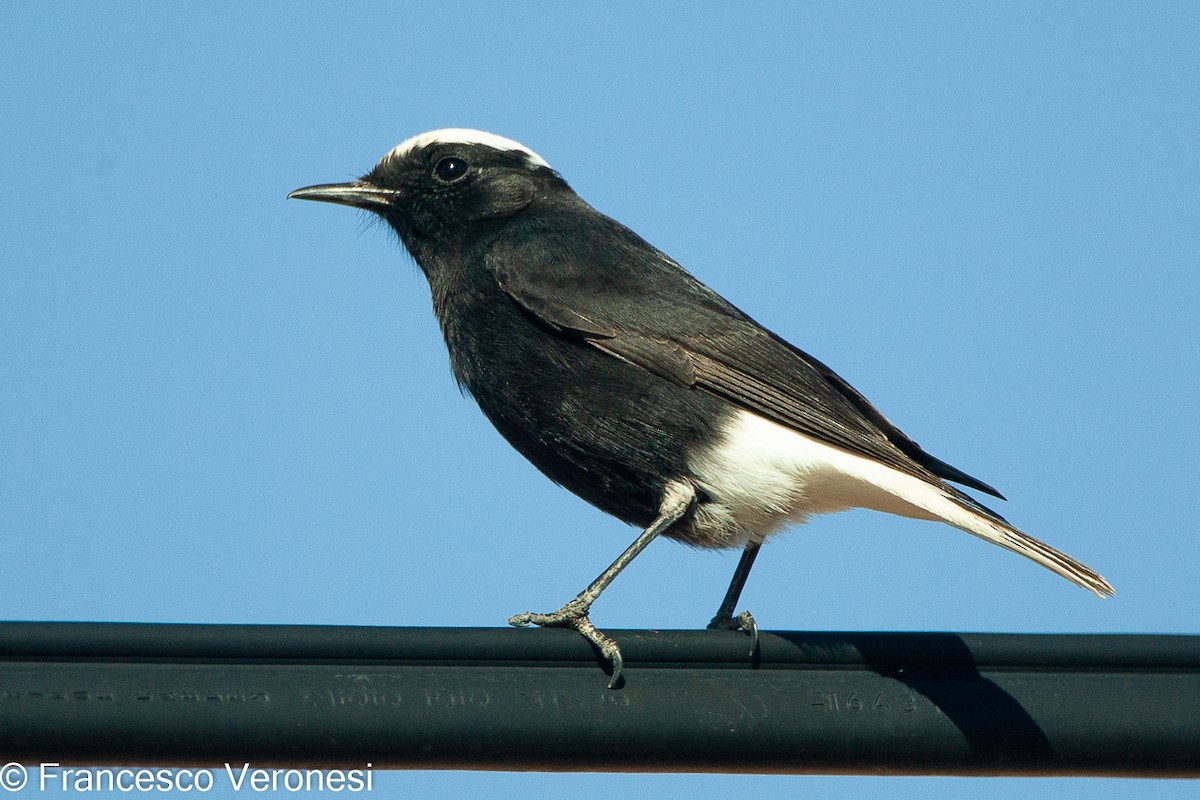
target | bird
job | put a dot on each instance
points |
(626, 380)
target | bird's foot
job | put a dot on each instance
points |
(575, 615)
(741, 622)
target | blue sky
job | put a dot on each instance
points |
(220, 406)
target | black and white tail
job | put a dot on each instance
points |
(762, 475)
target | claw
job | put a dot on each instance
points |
(742, 622)
(607, 647)
(574, 615)
(746, 622)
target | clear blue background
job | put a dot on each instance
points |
(220, 406)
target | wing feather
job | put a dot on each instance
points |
(638, 305)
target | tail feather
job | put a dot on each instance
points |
(980, 521)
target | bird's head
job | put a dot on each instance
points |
(442, 188)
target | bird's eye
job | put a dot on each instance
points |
(450, 169)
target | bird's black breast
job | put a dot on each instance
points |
(610, 432)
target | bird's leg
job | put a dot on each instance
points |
(725, 619)
(677, 500)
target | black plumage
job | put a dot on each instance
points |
(626, 380)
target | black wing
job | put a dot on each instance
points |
(601, 283)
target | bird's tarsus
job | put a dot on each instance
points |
(678, 498)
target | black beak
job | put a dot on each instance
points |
(357, 194)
